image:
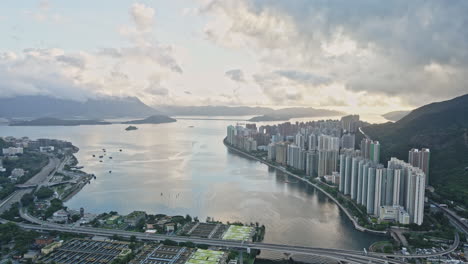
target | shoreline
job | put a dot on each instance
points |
(344, 209)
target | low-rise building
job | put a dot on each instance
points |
(46, 149)
(134, 217)
(43, 241)
(11, 151)
(60, 216)
(394, 213)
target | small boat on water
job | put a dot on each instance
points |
(110, 171)
(94, 155)
(101, 157)
(100, 161)
(120, 150)
(110, 157)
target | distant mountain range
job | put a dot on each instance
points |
(296, 112)
(50, 121)
(155, 119)
(30, 107)
(213, 110)
(34, 107)
(442, 127)
(395, 115)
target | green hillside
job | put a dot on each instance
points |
(442, 127)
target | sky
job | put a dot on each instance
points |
(356, 56)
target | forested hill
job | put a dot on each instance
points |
(442, 127)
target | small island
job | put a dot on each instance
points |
(154, 119)
(130, 128)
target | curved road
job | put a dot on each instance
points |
(40, 177)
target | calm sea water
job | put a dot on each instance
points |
(177, 169)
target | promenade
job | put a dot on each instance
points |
(344, 209)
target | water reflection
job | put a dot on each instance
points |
(173, 169)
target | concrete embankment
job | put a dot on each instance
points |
(344, 209)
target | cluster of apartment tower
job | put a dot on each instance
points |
(327, 149)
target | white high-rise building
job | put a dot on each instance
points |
(271, 151)
(300, 141)
(420, 159)
(312, 142)
(411, 182)
(312, 163)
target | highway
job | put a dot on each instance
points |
(454, 218)
(339, 254)
(40, 177)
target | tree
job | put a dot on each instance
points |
(188, 218)
(27, 199)
(75, 217)
(44, 193)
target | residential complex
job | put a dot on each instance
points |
(420, 158)
(327, 149)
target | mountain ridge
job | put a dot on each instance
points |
(98, 108)
(440, 126)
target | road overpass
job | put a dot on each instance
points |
(338, 254)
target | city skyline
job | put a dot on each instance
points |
(237, 52)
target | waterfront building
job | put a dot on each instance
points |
(293, 155)
(271, 152)
(354, 177)
(334, 178)
(348, 171)
(282, 153)
(420, 159)
(360, 180)
(327, 162)
(415, 195)
(370, 200)
(312, 163)
(341, 188)
(380, 174)
(411, 183)
(364, 188)
(394, 213)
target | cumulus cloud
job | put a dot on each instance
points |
(412, 50)
(236, 75)
(143, 16)
(138, 69)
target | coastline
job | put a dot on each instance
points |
(344, 209)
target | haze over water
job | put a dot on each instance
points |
(176, 169)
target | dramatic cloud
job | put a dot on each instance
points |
(139, 69)
(236, 75)
(411, 50)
